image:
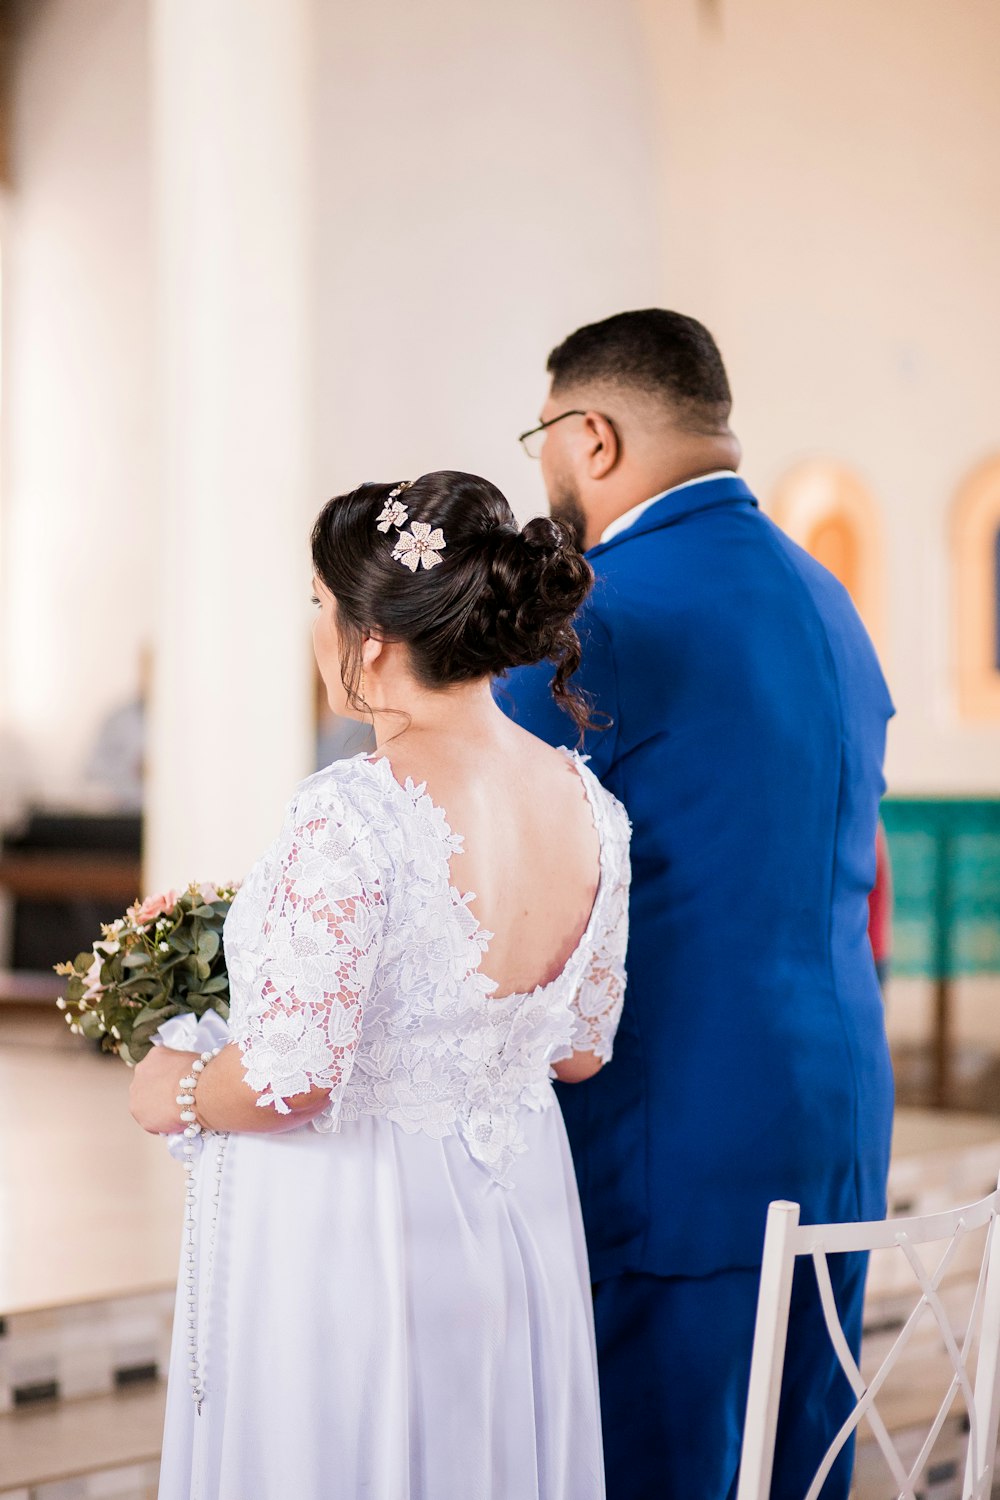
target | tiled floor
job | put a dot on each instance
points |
(90, 1206)
(112, 1443)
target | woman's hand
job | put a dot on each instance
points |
(154, 1089)
(225, 1101)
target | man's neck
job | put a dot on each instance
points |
(660, 462)
(631, 513)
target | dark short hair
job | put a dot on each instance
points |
(502, 595)
(659, 353)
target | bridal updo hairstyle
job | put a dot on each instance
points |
(501, 596)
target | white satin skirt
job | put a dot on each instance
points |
(380, 1320)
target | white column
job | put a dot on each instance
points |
(231, 716)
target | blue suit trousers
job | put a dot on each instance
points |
(674, 1360)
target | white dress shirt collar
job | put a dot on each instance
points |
(631, 516)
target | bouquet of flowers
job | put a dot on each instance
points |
(163, 959)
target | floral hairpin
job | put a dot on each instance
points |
(418, 547)
(394, 513)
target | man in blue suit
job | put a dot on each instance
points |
(747, 728)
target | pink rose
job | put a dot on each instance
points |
(208, 894)
(153, 907)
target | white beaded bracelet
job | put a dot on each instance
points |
(192, 1129)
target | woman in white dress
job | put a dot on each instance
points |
(392, 1290)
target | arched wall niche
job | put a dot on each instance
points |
(976, 592)
(827, 509)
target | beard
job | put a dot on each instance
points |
(565, 507)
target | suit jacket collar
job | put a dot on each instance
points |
(685, 500)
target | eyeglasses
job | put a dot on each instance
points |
(532, 440)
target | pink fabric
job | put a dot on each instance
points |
(880, 901)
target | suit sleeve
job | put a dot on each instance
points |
(526, 696)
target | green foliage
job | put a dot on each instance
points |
(163, 958)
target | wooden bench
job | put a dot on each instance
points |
(27, 987)
(48, 875)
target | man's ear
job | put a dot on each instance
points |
(601, 445)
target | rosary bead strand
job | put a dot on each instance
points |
(192, 1129)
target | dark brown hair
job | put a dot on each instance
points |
(657, 352)
(502, 595)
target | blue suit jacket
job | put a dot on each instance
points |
(749, 716)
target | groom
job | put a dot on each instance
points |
(748, 717)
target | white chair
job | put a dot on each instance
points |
(784, 1241)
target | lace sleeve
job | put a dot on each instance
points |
(320, 934)
(597, 1005)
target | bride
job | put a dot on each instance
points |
(389, 1294)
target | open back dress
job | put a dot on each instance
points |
(393, 1299)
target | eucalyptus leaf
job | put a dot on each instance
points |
(146, 1033)
(154, 1013)
(208, 945)
(140, 984)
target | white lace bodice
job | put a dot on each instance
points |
(354, 966)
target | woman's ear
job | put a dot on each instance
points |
(371, 650)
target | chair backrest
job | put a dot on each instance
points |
(785, 1240)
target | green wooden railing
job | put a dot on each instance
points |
(945, 855)
(946, 878)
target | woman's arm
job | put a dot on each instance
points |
(321, 927)
(223, 1100)
(598, 1002)
(578, 1068)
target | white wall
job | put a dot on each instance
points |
(817, 180)
(78, 519)
(830, 185)
(486, 186)
(483, 185)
